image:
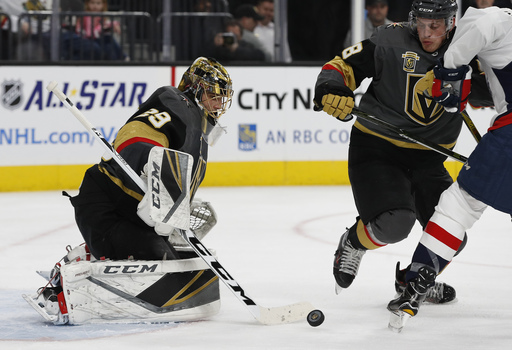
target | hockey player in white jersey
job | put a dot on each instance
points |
(485, 179)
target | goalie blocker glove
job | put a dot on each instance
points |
(450, 87)
(337, 101)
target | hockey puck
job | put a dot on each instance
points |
(315, 318)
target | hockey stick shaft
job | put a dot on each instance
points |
(52, 87)
(471, 126)
(264, 315)
(277, 315)
(414, 138)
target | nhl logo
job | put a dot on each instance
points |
(12, 94)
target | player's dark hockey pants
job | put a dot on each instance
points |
(386, 178)
(107, 218)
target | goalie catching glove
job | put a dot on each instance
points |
(335, 101)
(450, 87)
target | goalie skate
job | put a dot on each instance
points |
(48, 308)
(130, 291)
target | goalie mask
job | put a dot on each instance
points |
(210, 84)
(433, 9)
(208, 77)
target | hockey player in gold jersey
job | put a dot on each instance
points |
(394, 181)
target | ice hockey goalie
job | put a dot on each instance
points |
(81, 289)
(165, 142)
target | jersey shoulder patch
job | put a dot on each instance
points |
(395, 25)
(394, 34)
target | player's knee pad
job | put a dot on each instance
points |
(392, 226)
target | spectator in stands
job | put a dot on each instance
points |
(481, 4)
(265, 30)
(30, 30)
(9, 27)
(203, 6)
(377, 12)
(230, 46)
(73, 45)
(101, 30)
(248, 17)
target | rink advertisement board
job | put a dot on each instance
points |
(273, 135)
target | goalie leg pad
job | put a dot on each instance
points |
(134, 291)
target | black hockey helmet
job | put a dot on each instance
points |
(434, 9)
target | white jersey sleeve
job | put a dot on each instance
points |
(480, 32)
(486, 33)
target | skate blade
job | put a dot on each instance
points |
(397, 320)
(58, 319)
(40, 310)
(337, 288)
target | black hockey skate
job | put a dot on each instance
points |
(408, 303)
(346, 263)
(439, 293)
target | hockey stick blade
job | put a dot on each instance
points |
(264, 315)
(268, 316)
(408, 136)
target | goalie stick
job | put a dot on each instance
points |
(264, 315)
(407, 135)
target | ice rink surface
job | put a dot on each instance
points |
(278, 243)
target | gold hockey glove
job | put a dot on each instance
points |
(335, 101)
(338, 106)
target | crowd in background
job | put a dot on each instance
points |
(231, 30)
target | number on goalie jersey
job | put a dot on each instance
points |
(394, 181)
(181, 119)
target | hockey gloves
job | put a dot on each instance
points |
(335, 101)
(450, 87)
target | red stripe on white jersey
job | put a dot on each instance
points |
(442, 235)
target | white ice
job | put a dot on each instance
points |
(278, 243)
